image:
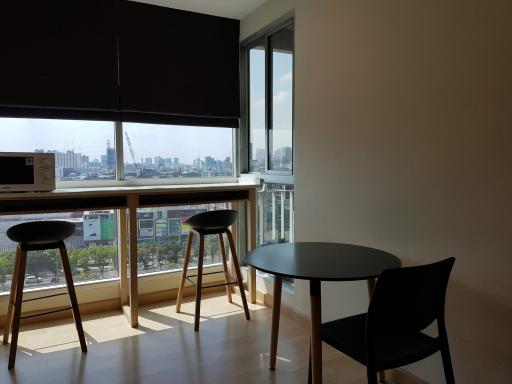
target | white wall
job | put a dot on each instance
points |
(403, 138)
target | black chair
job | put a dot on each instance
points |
(211, 223)
(35, 236)
(405, 301)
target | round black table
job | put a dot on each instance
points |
(316, 262)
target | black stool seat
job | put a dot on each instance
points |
(41, 232)
(212, 222)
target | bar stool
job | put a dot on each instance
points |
(211, 223)
(34, 236)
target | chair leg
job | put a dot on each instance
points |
(72, 296)
(184, 271)
(238, 273)
(10, 303)
(310, 376)
(447, 361)
(225, 266)
(199, 282)
(17, 307)
(372, 376)
(371, 288)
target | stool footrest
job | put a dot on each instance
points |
(45, 297)
(46, 313)
(230, 282)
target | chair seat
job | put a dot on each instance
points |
(41, 232)
(212, 222)
(348, 336)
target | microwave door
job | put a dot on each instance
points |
(15, 170)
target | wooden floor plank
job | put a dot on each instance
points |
(165, 349)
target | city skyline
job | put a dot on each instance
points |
(90, 138)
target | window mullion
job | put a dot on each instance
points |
(269, 99)
(118, 142)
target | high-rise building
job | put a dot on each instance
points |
(110, 157)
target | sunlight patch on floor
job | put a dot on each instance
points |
(61, 335)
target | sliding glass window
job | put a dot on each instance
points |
(268, 129)
(269, 96)
(280, 130)
(257, 108)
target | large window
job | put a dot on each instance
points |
(97, 151)
(87, 150)
(270, 102)
(269, 128)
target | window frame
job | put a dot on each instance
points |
(262, 38)
(120, 181)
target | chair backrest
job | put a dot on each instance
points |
(408, 299)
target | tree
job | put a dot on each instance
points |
(79, 262)
(211, 246)
(101, 256)
(146, 253)
(6, 266)
(39, 262)
(169, 253)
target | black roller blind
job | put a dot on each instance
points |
(58, 58)
(178, 67)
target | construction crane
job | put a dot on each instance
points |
(136, 164)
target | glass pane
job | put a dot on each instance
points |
(84, 150)
(92, 250)
(275, 216)
(257, 147)
(280, 136)
(154, 151)
(162, 238)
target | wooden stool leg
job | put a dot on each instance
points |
(225, 266)
(199, 283)
(238, 273)
(17, 306)
(72, 296)
(12, 296)
(184, 272)
(276, 314)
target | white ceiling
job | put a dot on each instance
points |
(234, 9)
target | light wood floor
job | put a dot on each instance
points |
(165, 349)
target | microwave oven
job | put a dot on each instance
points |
(27, 172)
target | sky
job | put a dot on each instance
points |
(90, 138)
(282, 84)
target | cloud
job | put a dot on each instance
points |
(259, 102)
(280, 97)
(286, 77)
